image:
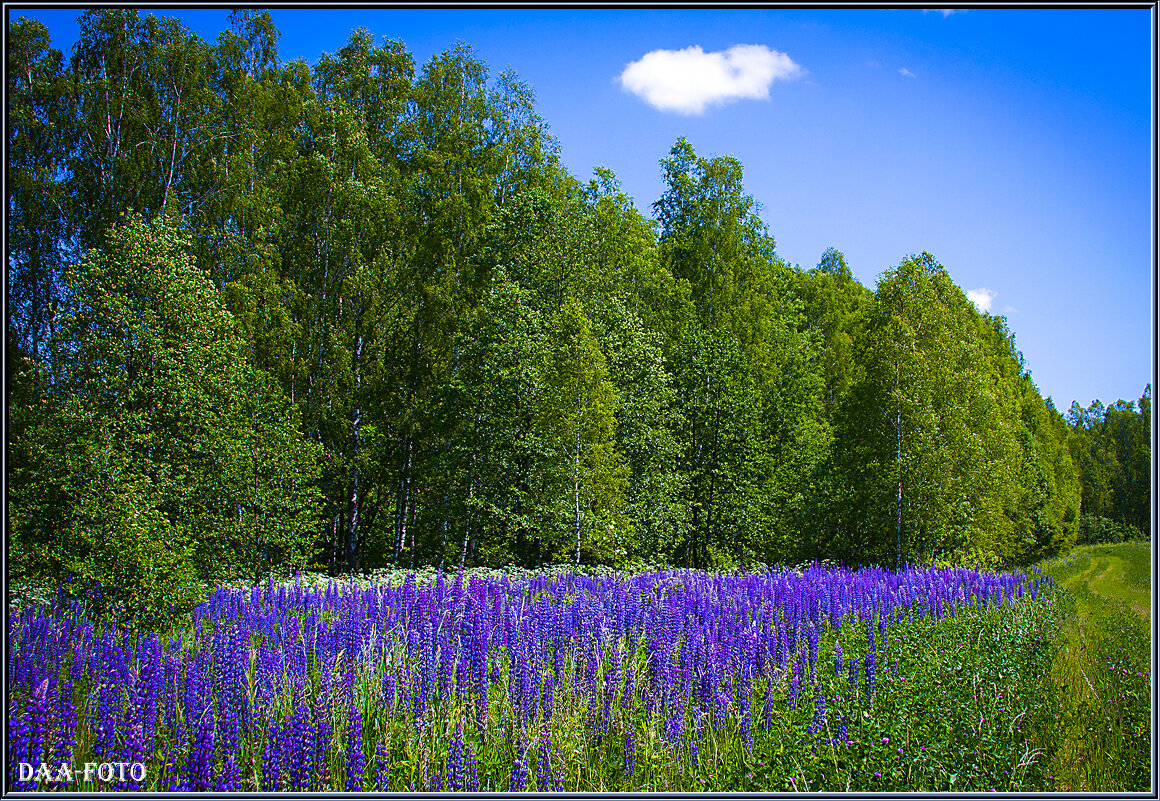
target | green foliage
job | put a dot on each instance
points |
(1112, 448)
(493, 399)
(943, 445)
(584, 480)
(413, 338)
(1095, 530)
(836, 306)
(160, 459)
(751, 429)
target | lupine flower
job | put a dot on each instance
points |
(630, 749)
(843, 731)
(37, 724)
(384, 765)
(355, 761)
(320, 746)
(272, 758)
(544, 763)
(19, 729)
(471, 769)
(819, 713)
(455, 775)
(699, 717)
(746, 722)
(294, 653)
(870, 677)
(135, 752)
(201, 760)
(519, 777)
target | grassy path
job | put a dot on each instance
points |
(1103, 669)
(1115, 582)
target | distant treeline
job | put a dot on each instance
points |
(266, 315)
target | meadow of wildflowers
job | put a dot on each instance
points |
(821, 679)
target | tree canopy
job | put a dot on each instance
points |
(264, 315)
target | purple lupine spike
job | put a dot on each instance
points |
(819, 713)
(356, 763)
(38, 724)
(134, 752)
(699, 717)
(383, 762)
(54, 735)
(67, 732)
(629, 748)
(471, 769)
(843, 732)
(297, 744)
(150, 678)
(272, 759)
(795, 684)
(519, 776)
(320, 734)
(199, 762)
(543, 764)
(19, 729)
(455, 773)
(745, 716)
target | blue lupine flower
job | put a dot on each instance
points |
(819, 713)
(198, 703)
(355, 761)
(519, 776)
(471, 769)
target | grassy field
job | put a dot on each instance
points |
(1103, 669)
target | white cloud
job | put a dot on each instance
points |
(686, 81)
(982, 298)
(906, 72)
(946, 12)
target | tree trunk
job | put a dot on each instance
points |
(335, 529)
(576, 480)
(402, 501)
(467, 522)
(708, 538)
(898, 460)
(353, 498)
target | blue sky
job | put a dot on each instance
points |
(1014, 145)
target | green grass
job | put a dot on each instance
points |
(1103, 669)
